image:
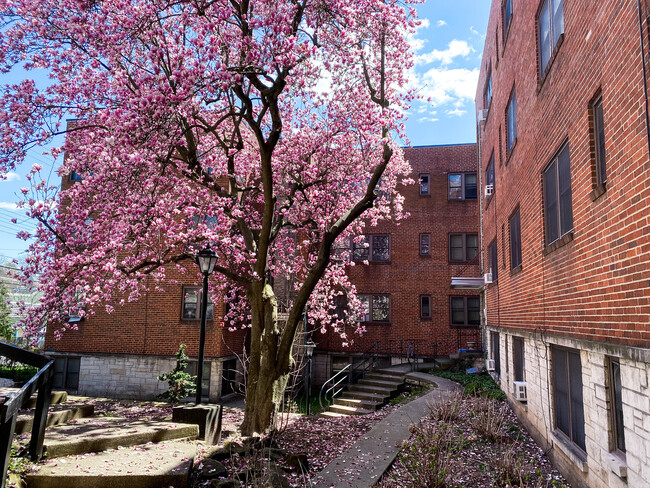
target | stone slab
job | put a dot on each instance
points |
(145, 466)
(104, 433)
(24, 422)
(206, 416)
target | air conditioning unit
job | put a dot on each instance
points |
(489, 190)
(482, 116)
(487, 278)
(520, 391)
(490, 365)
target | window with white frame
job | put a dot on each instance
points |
(191, 307)
(375, 308)
(425, 244)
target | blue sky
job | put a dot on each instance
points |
(448, 49)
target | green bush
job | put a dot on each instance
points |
(18, 373)
(181, 384)
(475, 384)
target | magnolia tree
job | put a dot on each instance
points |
(265, 128)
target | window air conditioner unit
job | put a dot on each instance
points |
(490, 365)
(489, 190)
(482, 116)
(520, 391)
(487, 277)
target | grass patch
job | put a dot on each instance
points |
(481, 385)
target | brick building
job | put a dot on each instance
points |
(406, 284)
(564, 191)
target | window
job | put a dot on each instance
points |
(550, 24)
(511, 122)
(66, 373)
(493, 260)
(518, 358)
(495, 351)
(229, 377)
(599, 141)
(465, 311)
(515, 239)
(489, 174)
(192, 370)
(74, 176)
(376, 308)
(462, 186)
(372, 248)
(192, 304)
(616, 406)
(425, 306)
(507, 17)
(424, 184)
(340, 306)
(487, 96)
(463, 247)
(558, 213)
(567, 394)
(425, 244)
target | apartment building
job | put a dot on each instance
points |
(564, 141)
(406, 285)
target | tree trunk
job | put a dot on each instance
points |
(266, 382)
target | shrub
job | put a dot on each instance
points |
(181, 384)
(475, 384)
(446, 409)
(490, 419)
(428, 457)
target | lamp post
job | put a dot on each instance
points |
(206, 259)
(309, 352)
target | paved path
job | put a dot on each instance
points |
(364, 463)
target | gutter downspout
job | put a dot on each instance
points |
(645, 80)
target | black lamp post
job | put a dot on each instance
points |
(206, 259)
(309, 352)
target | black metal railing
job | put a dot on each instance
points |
(348, 375)
(41, 382)
(469, 339)
(412, 351)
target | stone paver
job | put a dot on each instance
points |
(367, 460)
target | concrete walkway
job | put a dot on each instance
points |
(367, 460)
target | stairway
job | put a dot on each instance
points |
(368, 394)
(84, 451)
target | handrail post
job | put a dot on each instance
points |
(40, 417)
(7, 429)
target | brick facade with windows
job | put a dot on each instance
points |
(570, 311)
(417, 276)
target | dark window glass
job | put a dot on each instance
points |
(74, 176)
(567, 393)
(191, 308)
(192, 369)
(507, 16)
(495, 351)
(511, 119)
(425, 306)
(376, 308)
(229, 377)
(518, 358)
(493, 260)
(550, 24)
(489, 174)
(470, 186)
(471, 246)
(616, 405)
(66, 373)
(465, 311)
(424, 184)
(425, 244)
(361, 249)
(557, 197)
(372, 248)
(462, 186)
(515, 240)
(340, 306)
(599, 135)
(463, 247)
(488, 91)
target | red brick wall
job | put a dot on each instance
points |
(597, 285)
(409, 275)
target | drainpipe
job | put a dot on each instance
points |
(645, 80)
(480, 225)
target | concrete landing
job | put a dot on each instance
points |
(104, 433)
(149, 466)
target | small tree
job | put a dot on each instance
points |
(181, 384)
(6, 328)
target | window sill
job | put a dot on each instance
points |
(598, 191)
(547, 70)
(558, 243)
(425, 195)
(375, 323)
(464, 326)
(425, 255)
(570, 450)
(617, 464)
(516, 270)
(426, 319)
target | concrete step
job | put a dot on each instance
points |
(364, 395)
(347, 410)
(55, 398)
(390, 373)
(379, 390)
(381, 377)
(333, 415)
(24, 422)
(356, 402)
(380, 383)
(143, 466)
(104, 433)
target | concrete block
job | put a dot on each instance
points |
(206, 416)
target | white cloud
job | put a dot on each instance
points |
(441, 23)
(442, 86)
(475, 32)
(11, 176)
(457, 112)
(427, 119)
(9, 206)
(454, 49)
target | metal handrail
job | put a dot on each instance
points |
(41, 382)
(348, 375)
